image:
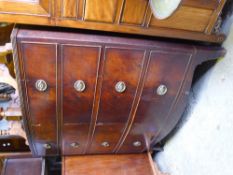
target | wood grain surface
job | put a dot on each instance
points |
(193, 20)
(137, 164)
(100, 120)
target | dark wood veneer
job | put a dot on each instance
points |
(99, 119)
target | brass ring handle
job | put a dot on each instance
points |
(47, 146)
(162, 90)
(79, 85)
(137, 144)
(41, 85)
(74, 145)
(120, 87)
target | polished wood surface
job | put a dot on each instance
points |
(42, 105)
(136, 164)
(193, 20)
(100, 120)
(24, 166)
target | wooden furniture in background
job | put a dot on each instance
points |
(24, 166)
(194, 19)
(93, 94)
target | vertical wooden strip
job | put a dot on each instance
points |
(148, 17)
(119, 11)
(59, 97)
(214, 17)
(81, 9)
(99, 80)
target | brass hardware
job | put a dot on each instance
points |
(120, 87)
(105, 144)
(137, 143)
(74, 145)
(79, 85)
(47, 146)
(41, 85)
(162, 90)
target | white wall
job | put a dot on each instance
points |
(203, 145)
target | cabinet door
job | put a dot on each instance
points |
(39, 70)
(79, 69)
(164, 77)
(26, 11)
(122, 68)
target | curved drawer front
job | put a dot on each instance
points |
(79, 64)
(121, 65)
(39, 66)
(166, 70)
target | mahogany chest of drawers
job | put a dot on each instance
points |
(94, 94)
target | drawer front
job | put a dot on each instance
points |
(80, 64)
(121, 75)
(39, 63)
(74, 139)
(165, 69)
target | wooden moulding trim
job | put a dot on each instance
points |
(25, 19)
(158, 31)
(23, 104)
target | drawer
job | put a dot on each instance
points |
(74, 139)
(106, 138)
(79, 68)
(39, 79)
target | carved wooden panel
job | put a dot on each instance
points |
(134, 11)
(100, 10)
(185, 18)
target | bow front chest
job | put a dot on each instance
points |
(93, 94)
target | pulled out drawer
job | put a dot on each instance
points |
(136, 164)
